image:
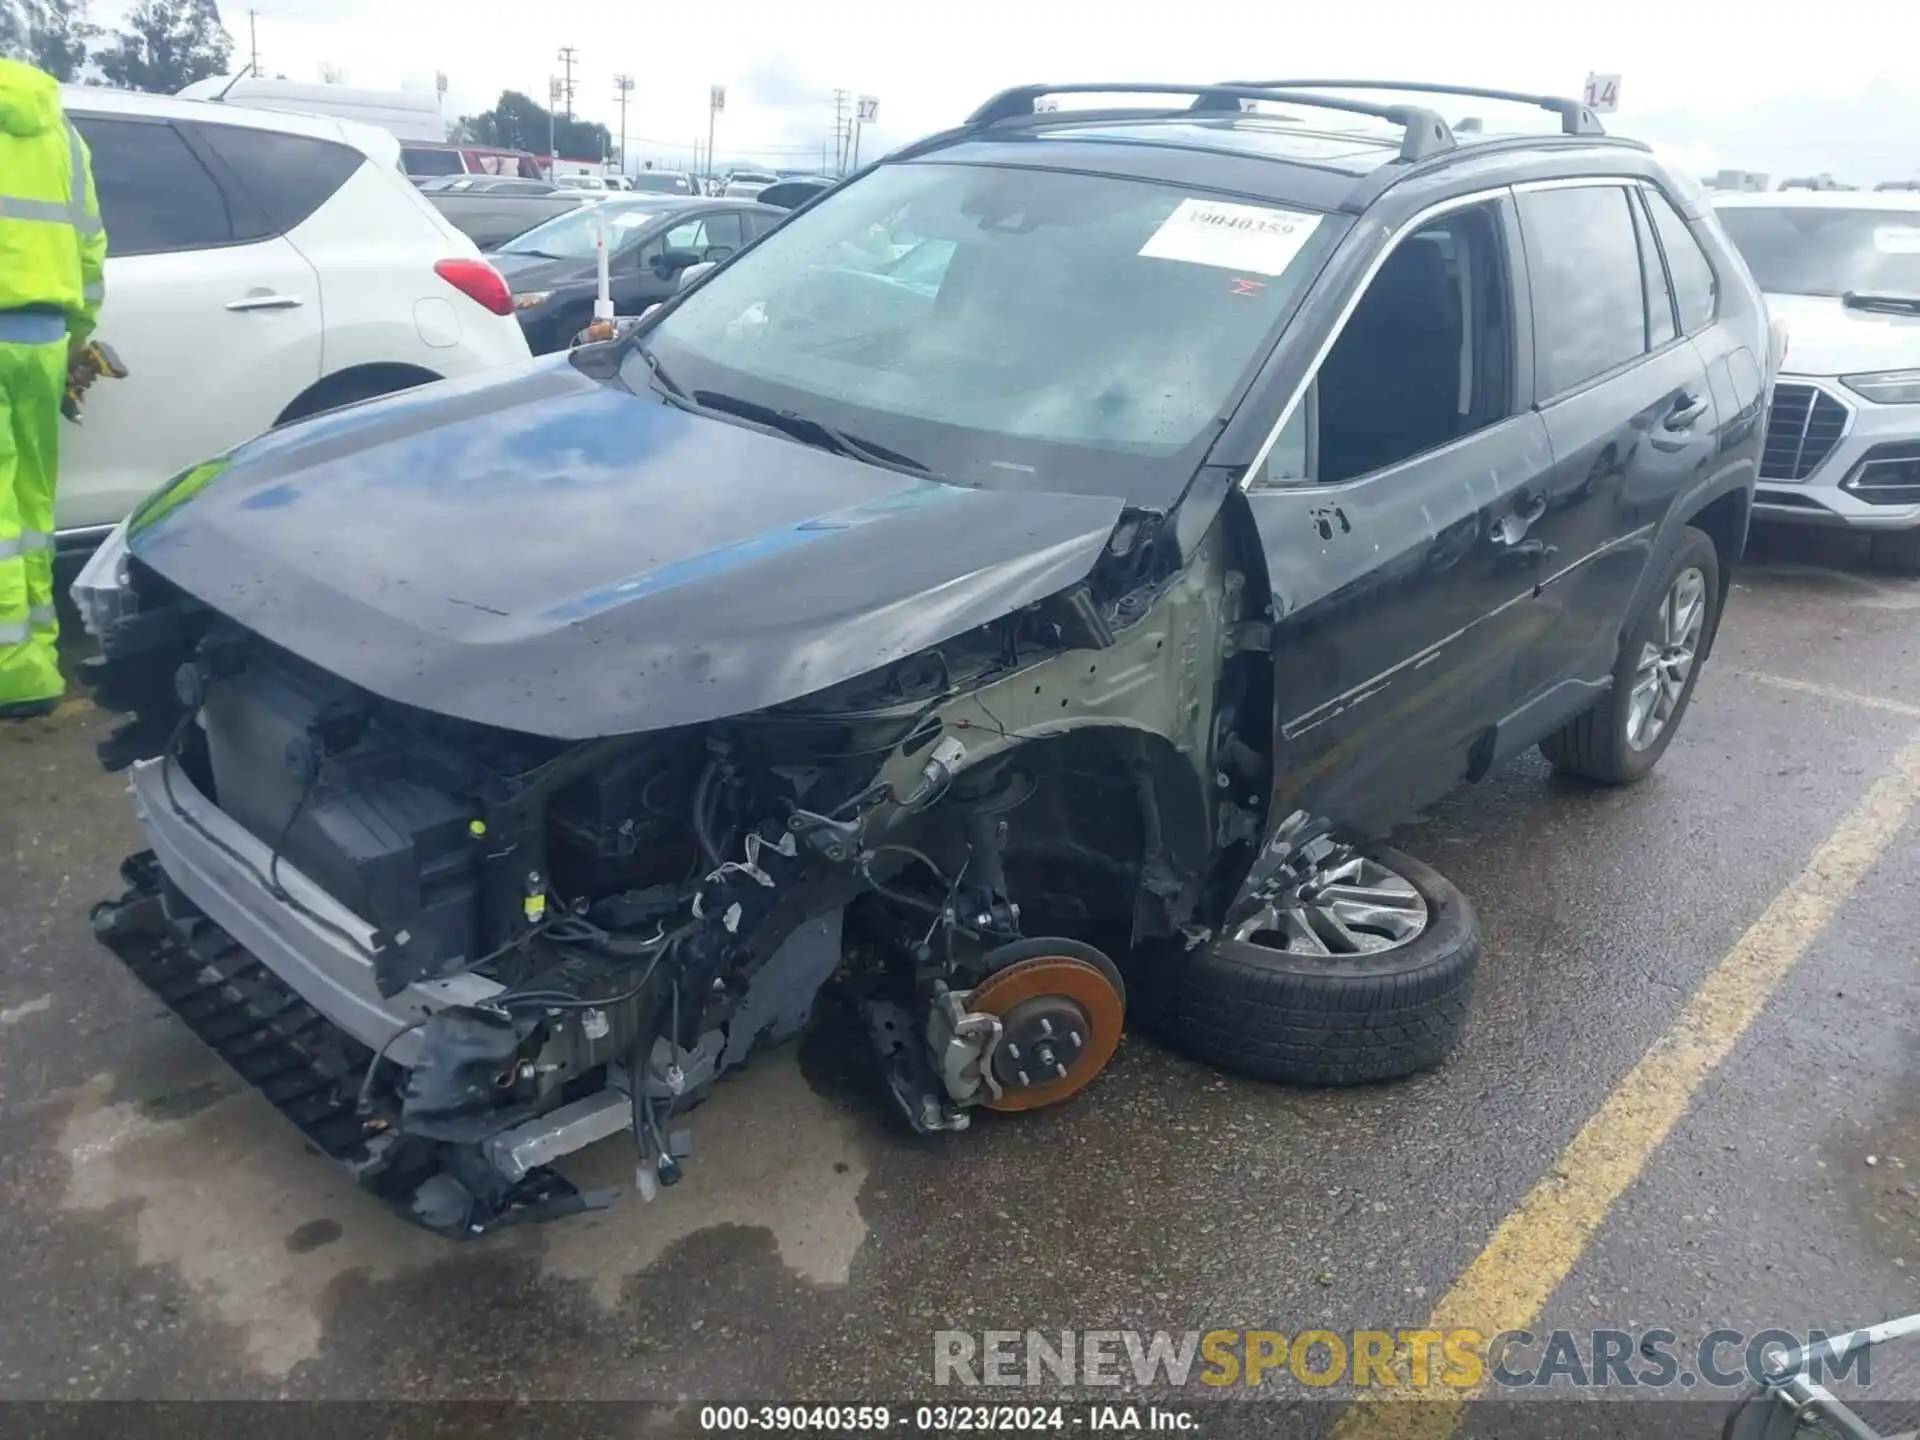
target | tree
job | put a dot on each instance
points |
(517, 122)
(166, 44)
(13, 29)
(60, 36)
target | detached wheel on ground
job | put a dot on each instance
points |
(1363, 973)
(1896, 550)
(1623, 736)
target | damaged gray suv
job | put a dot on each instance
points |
(1014, 592)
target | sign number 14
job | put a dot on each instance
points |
(1603, 93)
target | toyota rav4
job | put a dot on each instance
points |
(1030, 579)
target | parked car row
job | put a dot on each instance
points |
(554, 268)
(263, 266)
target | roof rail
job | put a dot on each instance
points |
(1575, 118)
(1427, 134)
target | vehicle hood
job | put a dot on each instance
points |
(526, 273)
(1824, 337)
(29, 99)
(550, 553)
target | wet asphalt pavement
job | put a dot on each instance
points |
(165, 1235)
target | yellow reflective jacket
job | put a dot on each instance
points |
(53, 248)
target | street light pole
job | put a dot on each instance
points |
(553, 144)
(623, 85)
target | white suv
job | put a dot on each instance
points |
(261, 267)
(1841, 272)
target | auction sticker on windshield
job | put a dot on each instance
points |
(1231, 237)
(1897, 239)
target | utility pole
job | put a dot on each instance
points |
(623, 87)
(567, 53)
(253, 42)
(841, 131)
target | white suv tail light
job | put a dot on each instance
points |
(479, 282)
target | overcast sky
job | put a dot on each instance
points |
(1717, 82)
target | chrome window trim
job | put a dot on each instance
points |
(1394, 241)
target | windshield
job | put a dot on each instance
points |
(571, 236)
(1005, 326)
(1814, 250)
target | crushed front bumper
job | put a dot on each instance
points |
(287, 999)
(310, 1069)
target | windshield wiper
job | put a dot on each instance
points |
(664, 384)
(1874, 300)
(809, 431)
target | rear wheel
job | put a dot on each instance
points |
(1623, 736)
(1896, 550)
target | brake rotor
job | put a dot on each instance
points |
(1060, 1021)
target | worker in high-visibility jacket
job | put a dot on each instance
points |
(53, 250)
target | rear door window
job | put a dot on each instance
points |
(1589, 300)
(288, 176)
(156, 197)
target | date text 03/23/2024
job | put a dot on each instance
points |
(944, 1419)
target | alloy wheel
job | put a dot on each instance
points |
(1355, 906)
(1666, 658)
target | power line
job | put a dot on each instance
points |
(842, 131)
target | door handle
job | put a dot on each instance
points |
(266, 302)
(1685, 414)
(1511, 528)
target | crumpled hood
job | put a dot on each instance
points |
(29, 99)
(545, 552)
(1824, 337)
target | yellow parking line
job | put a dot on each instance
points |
(1833, 692)
(1536, 1246)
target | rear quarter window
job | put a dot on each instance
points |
(287, 176)
(156, 197)
(1695, 290)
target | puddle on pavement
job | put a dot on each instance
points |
(213, 1182)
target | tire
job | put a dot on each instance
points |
(1896, 550)
(1347, 1020)
(1595, 745)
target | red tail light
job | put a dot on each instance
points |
(479, 282)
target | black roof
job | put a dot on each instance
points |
(1295, 155)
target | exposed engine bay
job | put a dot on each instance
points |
(454, 953)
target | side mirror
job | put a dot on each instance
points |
(694, 272)
(669, 261)
(716, 253)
